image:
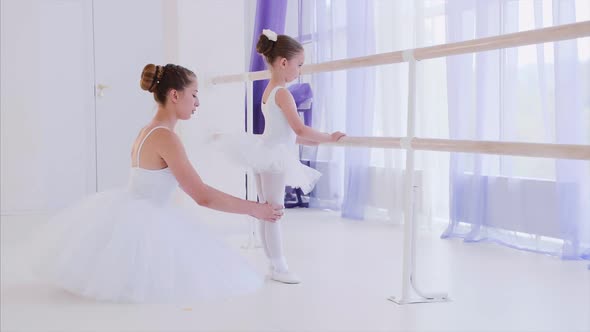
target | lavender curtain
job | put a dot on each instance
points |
(537, 205)
(360, 96)
(572, 126)
(270, 14)
(343, 100)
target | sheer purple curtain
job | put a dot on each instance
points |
(538, 205)
(343, 100)
(360, 96)
(270, 14)
(572, 126)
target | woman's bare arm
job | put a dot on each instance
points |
(170, 148)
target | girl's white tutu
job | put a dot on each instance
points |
(131, 245)
(275, 151)
(265, 156)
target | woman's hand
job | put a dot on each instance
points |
(267, 212)
(335, 136)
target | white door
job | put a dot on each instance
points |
(47, 103)
(66, 100)
(61, 121)
(127, 36)
(59, 141)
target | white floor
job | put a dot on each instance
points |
(349, 269)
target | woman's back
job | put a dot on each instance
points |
(152, 183)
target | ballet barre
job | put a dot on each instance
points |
(538, 150)
(411, 293)
(538, 36)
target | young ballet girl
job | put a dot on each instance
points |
(273, 156)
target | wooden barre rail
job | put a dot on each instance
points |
(540, 150)
(544, 35)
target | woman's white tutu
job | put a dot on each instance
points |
(116, 246)
(262, 156)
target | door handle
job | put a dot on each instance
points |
(100, 89)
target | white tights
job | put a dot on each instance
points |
(271, 188)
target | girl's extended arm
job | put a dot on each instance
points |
(285, 101)
(303, 141)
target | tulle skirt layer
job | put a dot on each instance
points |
(116, 247)
(253, 152)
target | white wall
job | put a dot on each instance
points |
(249, 18)
(19, 64)
(44, 158)
(43, 71)
(125, 40)
(211, 42)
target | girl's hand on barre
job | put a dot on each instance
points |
(335, 136)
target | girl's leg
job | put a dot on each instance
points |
(261, 223)
(273, 188)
